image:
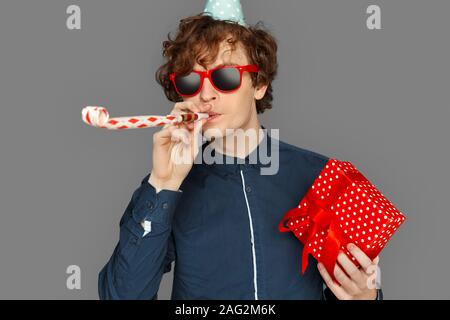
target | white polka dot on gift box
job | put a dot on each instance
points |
(365, 216)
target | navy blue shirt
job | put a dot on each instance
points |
(221, 230)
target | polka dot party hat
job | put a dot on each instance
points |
(225, 10)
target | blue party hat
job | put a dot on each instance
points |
(226, 10)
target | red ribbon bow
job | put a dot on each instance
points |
(320, 218)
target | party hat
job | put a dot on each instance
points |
(226, 10)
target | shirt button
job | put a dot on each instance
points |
(151, 205)
(165, 205)
(248, 189)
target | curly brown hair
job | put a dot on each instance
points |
(198, 40)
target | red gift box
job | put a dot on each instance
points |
(341, 206)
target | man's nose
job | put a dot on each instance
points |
(208, 91)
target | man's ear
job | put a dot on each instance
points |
(260, 92)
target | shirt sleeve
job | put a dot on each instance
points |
(140, 258)
(327, 294)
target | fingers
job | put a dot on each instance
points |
(337, 290)
(376, 260)
(171, 133)
(355, 274)
(186, 106)
(180, 135)
(360, 256)
(175, 132)
(346, 283)
(180, 107)
(353, 281)
(164, 135)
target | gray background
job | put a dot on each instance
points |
(378, 98)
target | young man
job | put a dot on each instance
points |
(219, 221)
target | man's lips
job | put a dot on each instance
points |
(213, 115)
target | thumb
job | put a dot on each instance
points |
(376, 260)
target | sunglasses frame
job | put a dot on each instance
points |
(207, 74)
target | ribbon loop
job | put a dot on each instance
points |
(320, 220)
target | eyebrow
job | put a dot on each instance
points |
(224, 65)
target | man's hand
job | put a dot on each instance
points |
(175, 147)
(354, 282)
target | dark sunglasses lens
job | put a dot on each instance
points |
(226, 79)
(188, 84)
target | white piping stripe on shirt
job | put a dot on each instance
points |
(252, 238)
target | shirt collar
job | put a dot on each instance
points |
(229, 164)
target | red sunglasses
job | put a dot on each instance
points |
(224, 79)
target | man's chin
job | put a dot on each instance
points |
(211, 131)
